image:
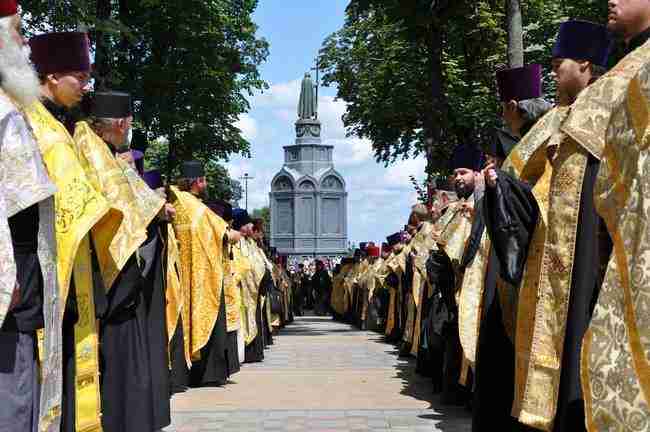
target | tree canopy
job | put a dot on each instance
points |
(189, 65)
(418, 75)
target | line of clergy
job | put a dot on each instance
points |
(116, 289)
(524, 288)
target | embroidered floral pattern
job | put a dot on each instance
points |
(616, 352)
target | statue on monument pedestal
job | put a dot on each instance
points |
(308, 105)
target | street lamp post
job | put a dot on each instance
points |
(246, 177)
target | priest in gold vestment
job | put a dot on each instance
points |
(486, 326)
(615, 361)
(128, 258)
(232, 295)
(561, 278)
(253, 285)
(79, 207)
(202, 237)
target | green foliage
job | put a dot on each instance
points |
(188, 63)
(220, 184)
(384, 58)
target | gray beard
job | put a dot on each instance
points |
(19, 79)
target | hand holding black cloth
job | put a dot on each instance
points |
(510, 213)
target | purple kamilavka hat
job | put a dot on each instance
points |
(520, 83)
(61, 52)
(154, 179)
(583, 40)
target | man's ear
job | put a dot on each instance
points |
(122, 124)
(51, 78)
(512, 105)
(584, 66)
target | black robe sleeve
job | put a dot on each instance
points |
(510, 213)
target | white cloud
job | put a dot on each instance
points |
(351, 151)
(398, 175)
(248, 126)
(281, 95)
(330, 113)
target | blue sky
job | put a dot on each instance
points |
(379, 197)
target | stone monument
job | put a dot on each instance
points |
(308, 196)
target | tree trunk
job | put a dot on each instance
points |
(102, 51)
(515, 34)
(437, 114)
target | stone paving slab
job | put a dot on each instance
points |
(320, 376)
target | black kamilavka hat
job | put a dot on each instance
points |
(192, 169)
(110, 104)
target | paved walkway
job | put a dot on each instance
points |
(320, 376)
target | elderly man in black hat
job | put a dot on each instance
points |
(27, 267)
(130, 264)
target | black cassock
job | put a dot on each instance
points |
(180, 374)
(593, 248)
(152, 252)
(212, 368)
(126, 381)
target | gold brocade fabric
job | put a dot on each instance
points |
(528, 291)
(527, 160)
(78, 206)
(453, 230)
(24, 181)
(373, 280)
(175, 294)
(200, 234)
(232, 296)
(250, 284)
(87, 392)
(470, 302)
(616, 349)
(396, 264)
(591, 112)
(340, 301)
(116, 239)
(555, 279)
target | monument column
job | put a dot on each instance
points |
(309, 160)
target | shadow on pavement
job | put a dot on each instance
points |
(446, 417)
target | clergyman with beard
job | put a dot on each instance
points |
(26, 243)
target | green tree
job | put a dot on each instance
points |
(412, 76)
(418, 75)
(220, 184)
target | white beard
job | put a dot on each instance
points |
(19, 78)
